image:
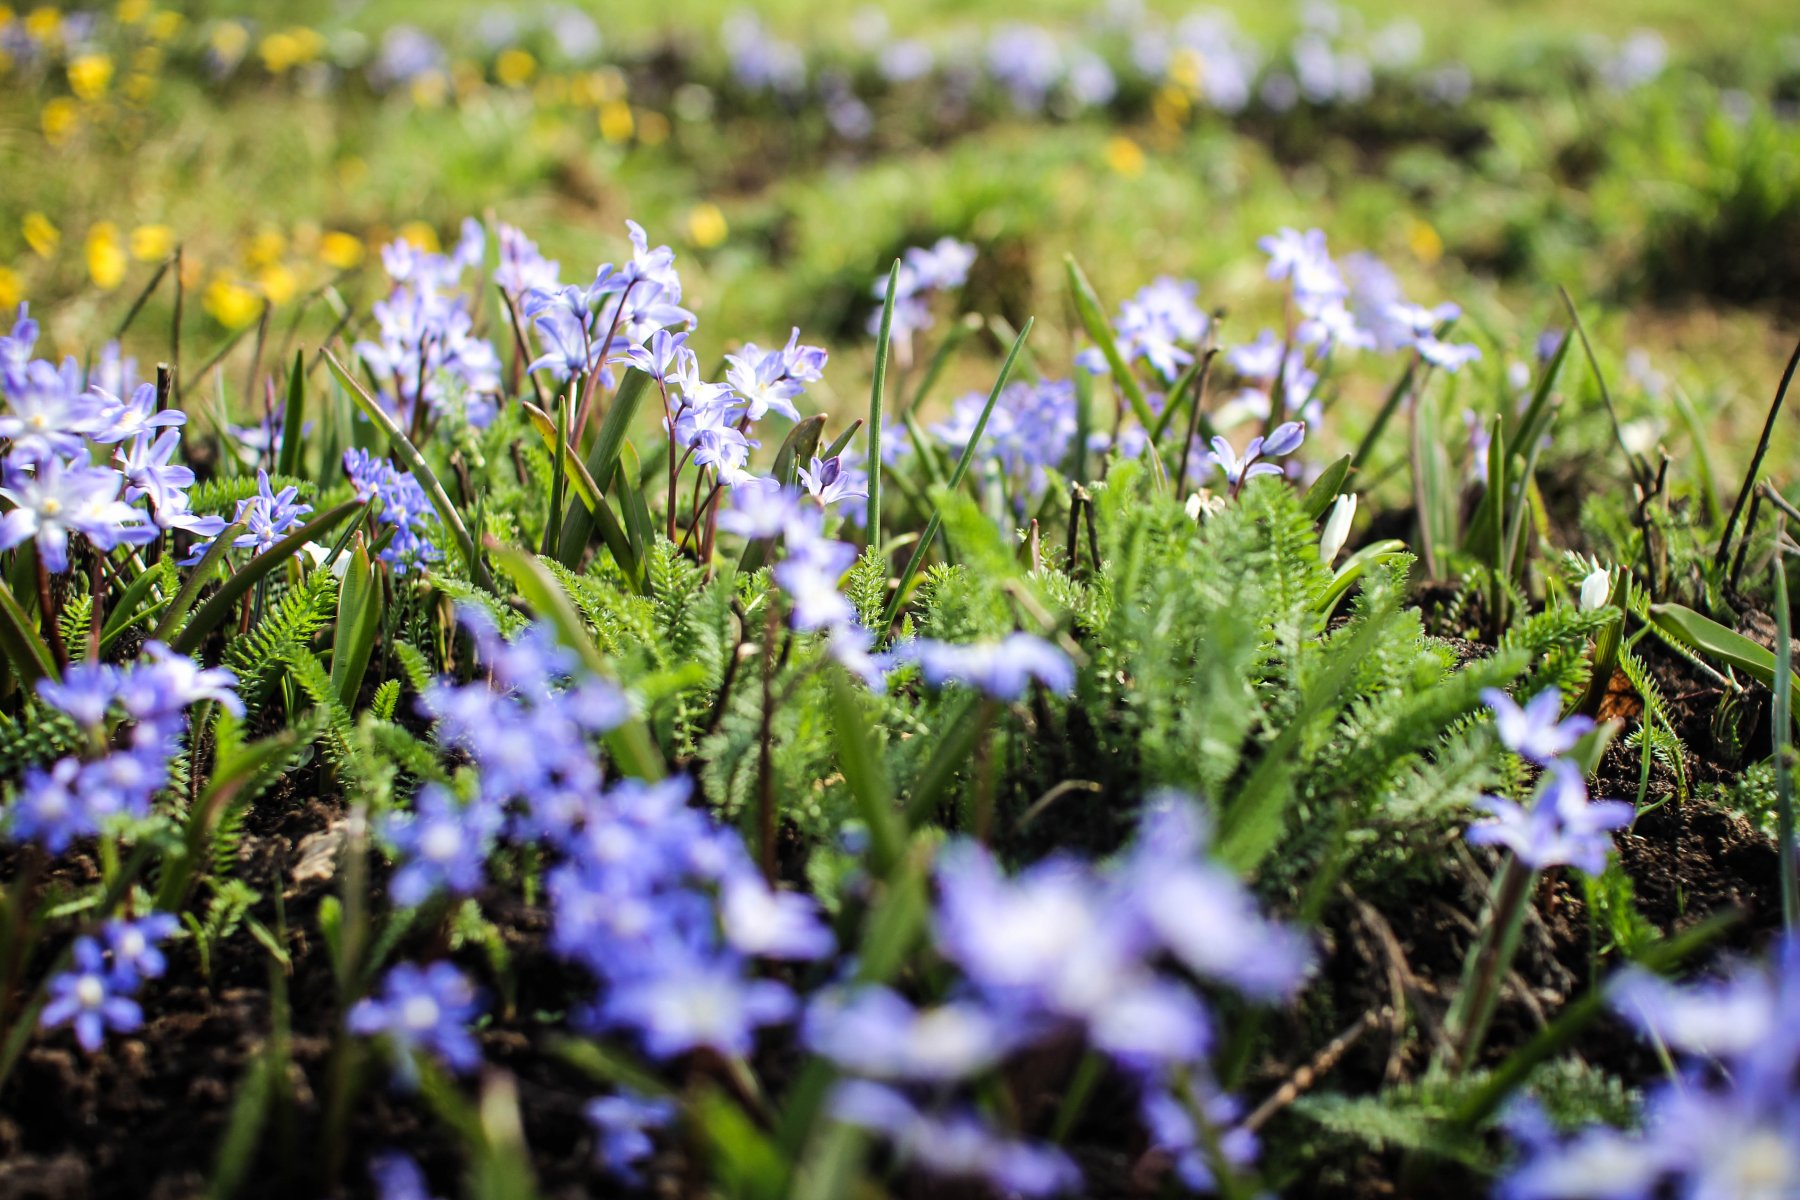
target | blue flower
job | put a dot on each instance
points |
(1537, 731)
(86, 691)
(693, 1004)
(397, 1177)
(91, 998)
(423, 1010)
(50, 810)
(441, 844)
(830, 482)
(134, 944)
(624, 1123)
(956, 1146)
(766, 923)
(1562, 827)
(60, 498)
(872, 1031)
(1002, 670)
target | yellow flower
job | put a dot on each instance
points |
(60, 117)
(1424, 241)
(290, 48)
(615, 121)
(278, 283)
(265, 248)
(90, 75)
(150, 243)
(166, 24)
(130, 12)
(1170, 106)
(1186, 67)
(514, 67)
(44, 23)
(1125, 156)
(421, 235)
(430, 89)
(105, 256)
(344, 251)
(230, 303)
(40, 234)
(229, 41)
(706, 226)
(12, 288)
(139, 87)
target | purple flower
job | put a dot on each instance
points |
(874, 1032)
(123, 420)
(1302, 259)
(1562, 827)
(50, 810)
(49, 416)
(761, 381)
(60, 498)
(624, 1123)
(1536, 732)
(957, 1146)
(1284, 440)
(830, 482)
(134, 945)
(168, 683)
(397, 1177)
(91, 999)
(767, 923)
(86, 691)
(1002, 670)
(666, 355)
(423, 1009)
(689, 1005)
(441, 844)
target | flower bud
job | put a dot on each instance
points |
(1596, 589)
(1337, 527)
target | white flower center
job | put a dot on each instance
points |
(419, 1012)
(132, 944)
(440, 843)
(51, 506)
(90, 991)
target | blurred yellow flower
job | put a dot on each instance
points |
(1125, 156)
(152, 242)
(1170, 106)
(40, 234)
(166, 24)
(653, 127)
(230, 303)
(706, 225)
(229, 41)
(608, 84)
(265, 248)
(1186, 66)
(421, 235)
(90, 75)
(615, 121)
(1424, 241)
(290, 48)
(106, 259)
(139, 87)
(515, 67)
(344, 251)
(430, 89)
(12, 288)
(59, 119)
(130, 12)
(278, 283)
(44, 23)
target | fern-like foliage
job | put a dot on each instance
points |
(289, 622)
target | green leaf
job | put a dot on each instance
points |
(358, 621)
(747, 1162)
(132, 606)
(1093, 319)
(239, 583)
(1706, 636)
(602, 460)
(588, 488)
(865, 772)
(197, 579)
(415, 462)
(293, 419)
(25, 648)
(1325, 489)
(883, 344)
(798, 447)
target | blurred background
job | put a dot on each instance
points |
(1645, 155)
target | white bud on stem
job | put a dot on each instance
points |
(1337, 527)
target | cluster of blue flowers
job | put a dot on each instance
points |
(1030, 432)
(1724, 1125)
(924, 271)
(268, 517)
(426, 351)
(1062, 948)
(56, 423)
(404, 509)
(1562, 827)
(76, 796)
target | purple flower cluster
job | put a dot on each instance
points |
(96, 993)
(404, 508)
(269, 516)
(55, 421)
(659, 903)
(624, 1124)
(1029, 432)
(1238, 470)
(1161, 325)
(426, 350)
(1562, 827)
(1002, 670)
(924, 272)
(74, 797)
(1061, 947)
(422, 1010)
(627, 303)
(1725, 1126)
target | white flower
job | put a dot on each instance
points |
(1337, 527)
(1596, 589)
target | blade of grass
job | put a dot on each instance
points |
(197, 579)
(611, 532)
(956, 478)
(1706, 636)
(415, 462)
(883, 343)
(1783, 733)
(293, 418)
(1093, 319)
(1389, 407)
(1762, 448)
(25, 647)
